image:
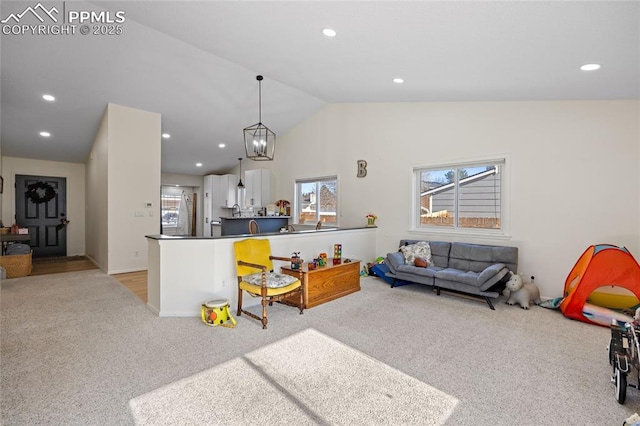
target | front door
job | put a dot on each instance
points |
(41, 206)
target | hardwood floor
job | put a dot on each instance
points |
(46, 268)
(136, 282)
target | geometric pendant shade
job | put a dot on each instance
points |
(259, 141)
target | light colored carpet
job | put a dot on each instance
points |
(304, 379)
(76, 348)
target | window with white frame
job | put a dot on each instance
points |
(317, 200)
(460, 196)
(176, 210)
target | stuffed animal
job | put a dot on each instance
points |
(521, 293)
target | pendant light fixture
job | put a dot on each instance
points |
(240, 184)
(241, 191)
(259, 141)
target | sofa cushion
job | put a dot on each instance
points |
(477, 257)
(440, 253)
(416, 270)
(465, 277)
(499, 276)
(394, 260)
(490, 272)
(273, 279)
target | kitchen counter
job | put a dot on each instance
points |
(266, 234)
(184, 272)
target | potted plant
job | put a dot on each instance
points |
(371, 219)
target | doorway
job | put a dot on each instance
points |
(41, 205)
(178, 210)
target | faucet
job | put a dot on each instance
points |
(233, 210)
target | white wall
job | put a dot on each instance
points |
(573, 170)
(97, 196)
(134, 150)
(75, 175)
(1, 195)
(123, 174)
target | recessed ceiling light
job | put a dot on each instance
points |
(221, 145)
(45, 134)
(166, 135)
(590, 67)
(398, 80)
(198, 164)
(329, 32)
(49, 98)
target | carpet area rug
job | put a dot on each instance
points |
(307, 378)
(80, 349)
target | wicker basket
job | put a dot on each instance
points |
(16, 265)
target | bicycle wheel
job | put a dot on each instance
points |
(621, 386)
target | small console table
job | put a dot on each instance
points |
(326, 283)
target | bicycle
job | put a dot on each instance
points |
(624, 347)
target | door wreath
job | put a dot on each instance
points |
(33, 192)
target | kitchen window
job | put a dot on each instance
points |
(317, 201)
(176, 210)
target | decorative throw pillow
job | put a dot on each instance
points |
(420, 249)
(420, 262)
(408, 253)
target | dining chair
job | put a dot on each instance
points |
(254, 228)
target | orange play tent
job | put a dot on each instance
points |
(600, 265)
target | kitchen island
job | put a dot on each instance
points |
(185, 272)
(237, 225)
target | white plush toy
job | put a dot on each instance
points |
(521, 293)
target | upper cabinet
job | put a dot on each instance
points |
(258, 184)
(228, 186)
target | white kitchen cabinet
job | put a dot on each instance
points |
(258, 184)
(227, 192)
(219, 194)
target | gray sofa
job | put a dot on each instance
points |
(474, 269)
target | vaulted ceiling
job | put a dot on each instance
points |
(196, 63)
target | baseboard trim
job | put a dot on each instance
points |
(126, 271)
(153, 309)
(95, 262)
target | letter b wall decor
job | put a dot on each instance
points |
(362, 168)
